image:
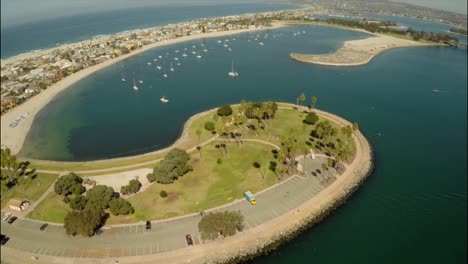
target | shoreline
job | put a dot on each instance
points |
(14, 138)
(358, 52)
(265, 237)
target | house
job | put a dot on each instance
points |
(18, 204)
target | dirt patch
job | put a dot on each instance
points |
(171, 197)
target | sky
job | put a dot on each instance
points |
(15, 12)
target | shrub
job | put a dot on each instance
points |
(224, 110)
(163, 194)
(132, 187)
(311, 118)
(78, 202)
(210, 126)
(69, 184)
(99, 196)
(84, 222)
(66, 199)
(120, 206)
(171, 167)
(222, 223)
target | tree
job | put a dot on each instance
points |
(120, 206)
(199, 150)
(314, 101)
(68, 184)
(99, 196)
(355, 126)
(132, 187)
(258, 166)
(85, 222)
(11, 164)
(210, 126)
(198, 132)
(347, 130)
(311, 118)
(302, 97)
(224, 110)
(221, 223)
(78, 202)
(171, 167)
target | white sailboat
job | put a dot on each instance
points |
(140, 81)
(123, 78)
(165, 74)
(172, 68)
(134, 86)
(158, 67)
(184, 55)
(198, 55)
(232, 73)
(261, 44)
(164, 100)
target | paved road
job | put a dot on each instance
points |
(133, 240)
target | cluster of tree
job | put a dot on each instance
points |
(133, 187)
(210, 126)
(171, 167)
(85, 222)
(88, 213)
(377, 27)
(311, 118)
(11, 169)
(461, 31)
(225, 110)
(258, 110)
(69, 184)
(226, 223)
(302, 98)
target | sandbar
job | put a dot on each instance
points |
(357, 52)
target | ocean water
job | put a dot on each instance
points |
(411, 103)
(49, 33)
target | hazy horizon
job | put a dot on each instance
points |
(16, 12)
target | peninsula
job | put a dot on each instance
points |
(321, 170)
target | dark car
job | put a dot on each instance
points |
(12, 219)
(43, 226)
(4, 239)
(188, 237)
(148, 225)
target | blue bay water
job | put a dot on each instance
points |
(411, 104)
(48, 33)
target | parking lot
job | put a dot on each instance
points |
(165, 235)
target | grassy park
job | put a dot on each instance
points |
(29, 189)
(223, 169)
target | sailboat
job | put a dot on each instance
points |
(123, 78)
(172, 68)
(158, 67)
(198, 55)
(232, 73)
(134, 86)
(165, 74)
(164, 100)
(184, 55)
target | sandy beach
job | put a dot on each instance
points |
(14, 137)
(357, 52)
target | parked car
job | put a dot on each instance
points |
(4, 239)
(188, 237)
(148, 225)
(44, 226)
(12, 219)
(6, 216)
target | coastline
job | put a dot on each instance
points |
(14, 138)
(265, 237)
(357, 52)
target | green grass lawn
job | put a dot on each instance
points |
(210, 184)
(51, 209)
(31, 189)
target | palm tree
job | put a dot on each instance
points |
(199, 150)
(198, 132)
(257, 165)
(314, 101)
(304, 151)
(302, 97)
